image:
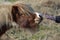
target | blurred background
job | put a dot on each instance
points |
(48, 30)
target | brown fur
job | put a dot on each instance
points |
(21, 14)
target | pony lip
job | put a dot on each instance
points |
(37, 20)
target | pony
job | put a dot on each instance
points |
(18, 14)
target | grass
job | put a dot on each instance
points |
(48, 30)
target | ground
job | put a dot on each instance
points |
(48, 30)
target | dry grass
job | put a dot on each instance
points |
(49, 30)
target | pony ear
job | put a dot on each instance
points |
(15, 9)
(15, 13)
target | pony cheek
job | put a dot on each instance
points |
(24, 23)
(33, 26)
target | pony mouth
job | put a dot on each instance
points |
(37, 21)
(39, 17)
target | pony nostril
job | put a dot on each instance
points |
(41, 18)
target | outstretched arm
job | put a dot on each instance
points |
(54, 18)
(57, 19)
